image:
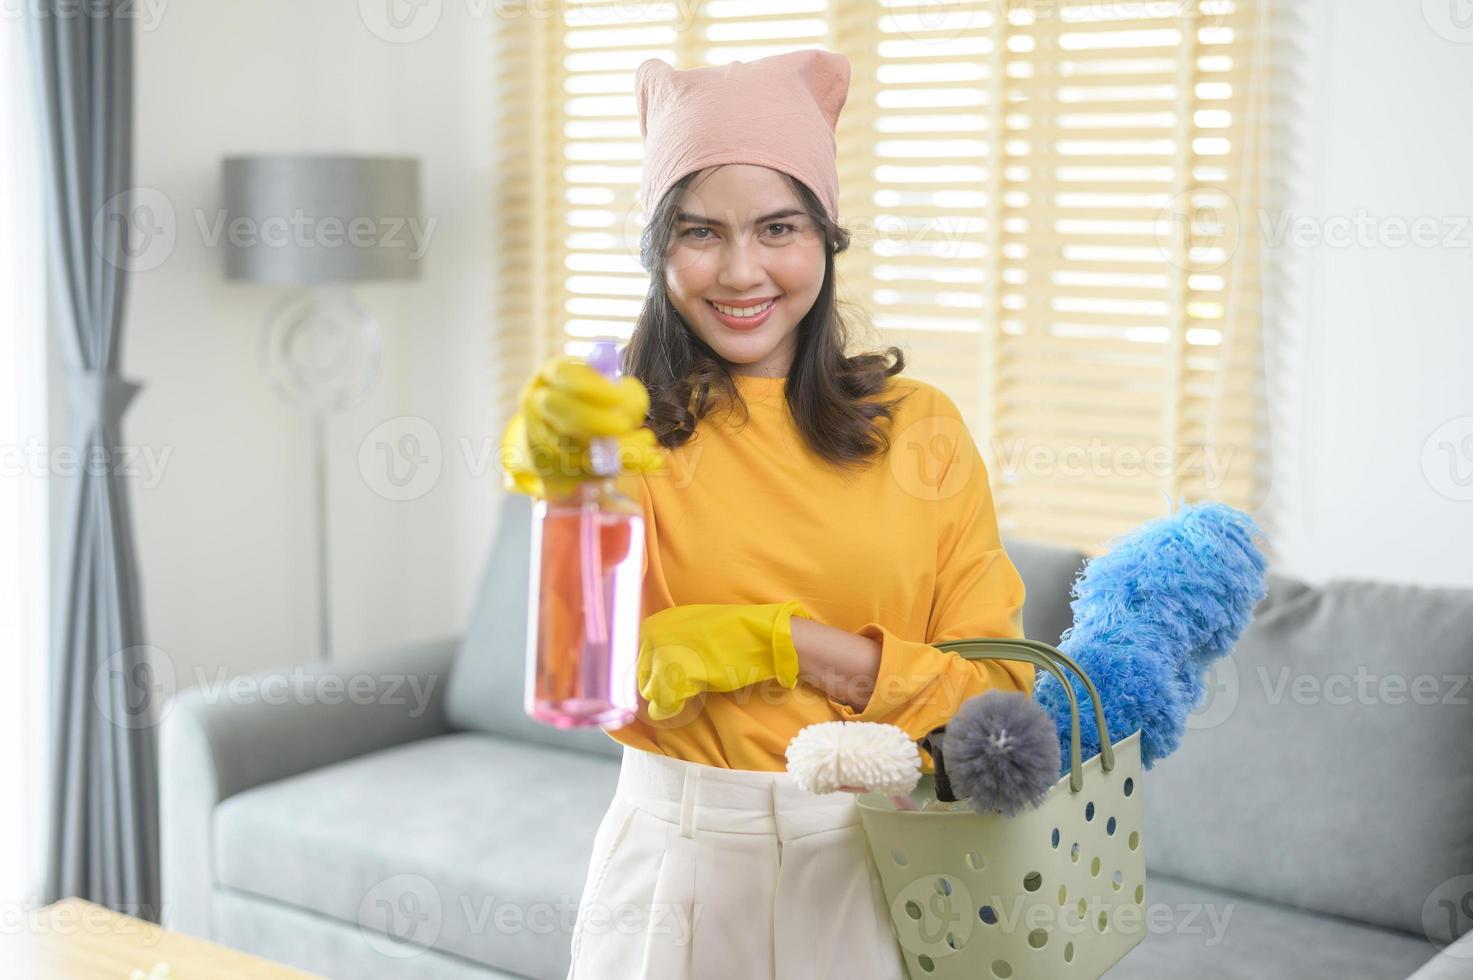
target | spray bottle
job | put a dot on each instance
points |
(584, 605)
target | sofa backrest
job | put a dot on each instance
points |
(485, 690)
(1048, 574)
(1329, 767)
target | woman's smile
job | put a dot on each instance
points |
(750, 321)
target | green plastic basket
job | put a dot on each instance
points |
(1052, 893)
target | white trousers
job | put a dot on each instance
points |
(730, 874)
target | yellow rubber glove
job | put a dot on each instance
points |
(685, 650)
(562, 409)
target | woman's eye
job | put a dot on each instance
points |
(695, 234)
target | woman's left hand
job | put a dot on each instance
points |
(685, 650)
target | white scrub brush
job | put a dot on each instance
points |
(856, 757)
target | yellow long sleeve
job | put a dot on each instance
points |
(906, 552)
(978, 593)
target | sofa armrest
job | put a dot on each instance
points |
(269, 725)
(1454, 962)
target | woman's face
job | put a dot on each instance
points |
(742, 240)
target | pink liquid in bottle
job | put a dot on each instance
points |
(584, 609)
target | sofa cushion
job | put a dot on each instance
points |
(1328, 767)
(327, 947)
(487, 683)
(1048, 573)
(475, 845)
(1207, 934)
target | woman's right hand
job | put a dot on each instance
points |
(562, 409)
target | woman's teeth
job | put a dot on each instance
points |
(745, 311)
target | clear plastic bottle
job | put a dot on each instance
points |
(584, 608)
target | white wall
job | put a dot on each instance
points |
(226, 536)
(1381, 348)
(1382, 342)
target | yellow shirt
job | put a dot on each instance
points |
(905, 551)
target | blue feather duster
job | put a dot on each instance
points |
(1150, 617)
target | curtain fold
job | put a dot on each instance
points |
(103, 772)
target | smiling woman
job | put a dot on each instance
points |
(24, 596)
(743, 283)
(742, 287)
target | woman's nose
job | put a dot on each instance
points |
(742, 267)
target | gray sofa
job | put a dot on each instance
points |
(399, 816)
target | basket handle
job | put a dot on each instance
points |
(1055, 661)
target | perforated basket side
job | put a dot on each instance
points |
(1054, 893)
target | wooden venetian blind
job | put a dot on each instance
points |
(1053, 210)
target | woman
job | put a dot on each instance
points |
(814, 521)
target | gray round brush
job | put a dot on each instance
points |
(1002, 752)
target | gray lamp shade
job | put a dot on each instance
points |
(322, 219)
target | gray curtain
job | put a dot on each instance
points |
(103, 819)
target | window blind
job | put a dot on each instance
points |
(1053, 209)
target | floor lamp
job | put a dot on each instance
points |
(321, 223)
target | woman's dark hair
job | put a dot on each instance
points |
(827, 391)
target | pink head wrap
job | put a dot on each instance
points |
(779, 112)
